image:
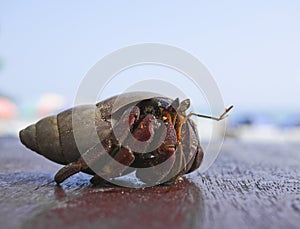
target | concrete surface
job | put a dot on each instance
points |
(249, 186)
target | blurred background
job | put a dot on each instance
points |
(252, 49)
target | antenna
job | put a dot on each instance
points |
(222, 116)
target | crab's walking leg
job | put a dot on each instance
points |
(97, 180)
(67, 171)
(197, 161)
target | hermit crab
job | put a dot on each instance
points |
(138, 130)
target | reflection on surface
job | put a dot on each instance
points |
(176, 206)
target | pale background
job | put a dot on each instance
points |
(251, 48)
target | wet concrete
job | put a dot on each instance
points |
(249, 186)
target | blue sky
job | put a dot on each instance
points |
(251, 48)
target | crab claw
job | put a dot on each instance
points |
(168, 147)
(145, 129)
